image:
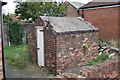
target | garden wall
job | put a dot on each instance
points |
(107, 69)
(26, 29)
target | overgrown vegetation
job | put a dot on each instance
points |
(17, 55)
(100, 58)
(15, 32)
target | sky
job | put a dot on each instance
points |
(10, 7)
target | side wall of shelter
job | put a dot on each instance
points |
(70, 51)
(50, 49)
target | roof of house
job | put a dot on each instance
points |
(99, 3)
(65, 24)
(77, 5)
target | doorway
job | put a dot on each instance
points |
(40, 46)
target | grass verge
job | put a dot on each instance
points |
(17, 55)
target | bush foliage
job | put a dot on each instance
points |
(15, 32)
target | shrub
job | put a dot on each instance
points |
(15, 32)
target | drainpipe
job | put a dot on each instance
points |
(3, 57)
(82, 13)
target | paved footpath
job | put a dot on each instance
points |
(28, 72)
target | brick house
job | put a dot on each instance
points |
(58, 43)
(2, 71)
(103, 15)
(73, 8)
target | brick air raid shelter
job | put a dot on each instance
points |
(103, 14)
(58, 43)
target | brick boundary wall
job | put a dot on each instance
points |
(102, 70)
(107, 69)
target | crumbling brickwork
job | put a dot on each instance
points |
(107, 69)
(102, 70)
(106, 19)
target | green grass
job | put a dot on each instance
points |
(17, 55)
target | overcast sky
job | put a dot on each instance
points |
(10, 7)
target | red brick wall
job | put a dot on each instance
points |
(65, 51)
(107, 69)
(33, 40)
(33, 45)
(104, 70)
(106, 19)
(71, 11)
(70, 51)
(50, 50)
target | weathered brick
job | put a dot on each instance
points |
(101, 70)
(108, 25)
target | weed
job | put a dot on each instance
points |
(48, 73)
(100, 58)
(85, 47)
(101, 40)
(92, 63)
(17, 55)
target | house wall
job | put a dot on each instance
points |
(106, 19)
(70, 51)
(71, 11)
(1, 65)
